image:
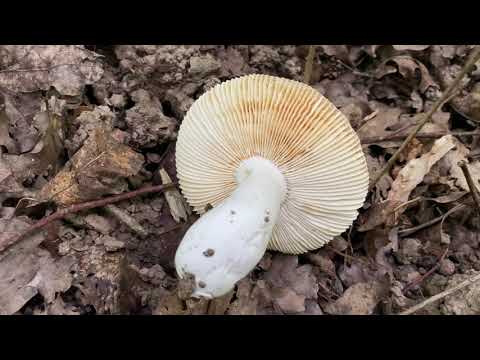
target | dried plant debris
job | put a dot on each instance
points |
(98, 168)
(178, 206)
(26, 270)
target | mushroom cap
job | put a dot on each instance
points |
(300, 131)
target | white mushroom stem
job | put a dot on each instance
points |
(227, 242)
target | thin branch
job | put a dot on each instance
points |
(307, 75)
(412, 230)
(433, 135)
(473, 58)
(473, 188)
(420, 279)
(60, 214)
(441, 295)
(36, 69)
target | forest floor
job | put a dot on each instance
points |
(81, 123)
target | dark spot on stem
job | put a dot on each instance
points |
(267, 219)
(209, 252)
(232, 212)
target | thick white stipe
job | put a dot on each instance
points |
(227, 242)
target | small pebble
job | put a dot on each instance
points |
(447, 267)
(201, 284)
(111, 244)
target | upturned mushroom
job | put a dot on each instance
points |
(280, 165)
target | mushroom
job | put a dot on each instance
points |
(282, 168)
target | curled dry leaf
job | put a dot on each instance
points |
(98, 168)
(408, 68)
(406, 181)
(449, 164)
(414, 172)
(68, 68)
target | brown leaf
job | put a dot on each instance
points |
(5, 139)
(413, 173)
(449, 164)
(179, 208)
(44, 155)
(68, 68)
(26, 270)
(407, 67)
(98, 168)
(247, 299)
(9, 186)
(359, 299)
(284, 273)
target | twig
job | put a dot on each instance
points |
(60, 214)
(307, 75)
(412, 230)
(441, 295)
(128, 220)
(440, 259)
(433, 135)
(419, 280)
(473, 58)
(473, 188)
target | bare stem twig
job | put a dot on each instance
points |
(433, 135)
(406, 232)
(473, 58)
(60, 214)
(307, 75)
(473, 188)
(441, 295)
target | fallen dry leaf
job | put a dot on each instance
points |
(177, 204)
(407, 67)
(414, 172)
(68, 68)
(98, 168)
(44, 156)
(449, 164)
(26, 270)
(358, 299)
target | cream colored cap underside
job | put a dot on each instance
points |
(294, 126)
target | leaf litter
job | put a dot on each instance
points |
(110, 129)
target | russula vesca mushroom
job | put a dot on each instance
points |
(282, 168)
